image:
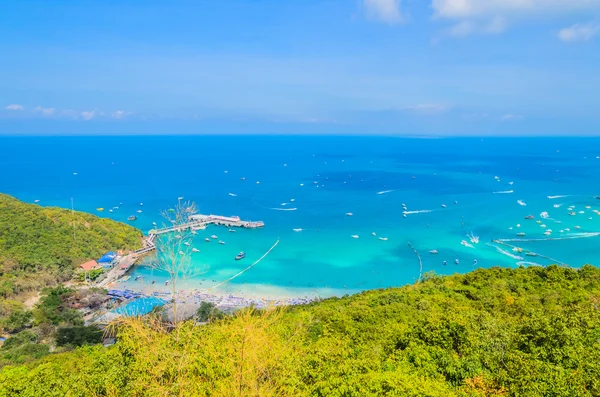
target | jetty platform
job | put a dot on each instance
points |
(196, 222)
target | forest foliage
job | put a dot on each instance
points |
(41, 246)
(496, 332)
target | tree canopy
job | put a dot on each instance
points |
(522, 332)
(40, 246)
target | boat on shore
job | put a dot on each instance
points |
(240, 256)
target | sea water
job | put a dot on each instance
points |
(311, 183)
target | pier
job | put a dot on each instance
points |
(196, 222)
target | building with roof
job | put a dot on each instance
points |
(90, 265)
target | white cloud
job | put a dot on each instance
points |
(384, 10)
(428, 108)
(461, 9)
(578, 32)
(510, 117)
(493, 16)
(120, 114)
(44, 111)
(14, 106)
(88, 115)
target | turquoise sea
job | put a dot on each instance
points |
(320, 179)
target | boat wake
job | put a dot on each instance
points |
(385, 191)
(555, 197)
(284, 209)
(417, 212)
(523, 263)
(503, 252)
(505, 192)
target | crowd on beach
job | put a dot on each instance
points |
(231, 301)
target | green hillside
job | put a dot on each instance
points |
(496, 332)
(40, 246)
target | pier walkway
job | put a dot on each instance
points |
(196, 222)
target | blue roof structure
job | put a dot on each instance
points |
(108, 257)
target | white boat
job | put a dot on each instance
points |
(292, 200)
(544, 215)
(186, 243)
(354, 236)
(374, 234)
(298, 230)
(180, 198)
(257, 182)
(195, 250)
(110, 210)
(433, 252)
(521, 202)
(542, 225)
(404, 215)
(221, 242)
(231, 230)
(349, 214)
(577, 227)
(302, 184)
(139, 211)
(178, 236)
(214, 237)
(141, 203)
(443, 205)
(207, 240)
(36, 201)
(383, 238)
(194, 232)
(582, 212)
(233, 194)
(557, 205)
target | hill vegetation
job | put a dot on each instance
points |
(495, 332)
(41, 246)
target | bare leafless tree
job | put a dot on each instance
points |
(174, 248)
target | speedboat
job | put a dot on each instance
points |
(298, 230)
(240, 256)
(214, 237)
(374, 234)
(521, 202)
(221, 242)
(349, 214)
(443, 205)
(139, 211)
(383, 238)
(354, 236)
(207, 240)
(110, 210)
(132, 218)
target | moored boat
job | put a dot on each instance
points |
(240, 256)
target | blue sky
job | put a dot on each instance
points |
(397, 67)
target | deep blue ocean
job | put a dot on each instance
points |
(311, 182)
